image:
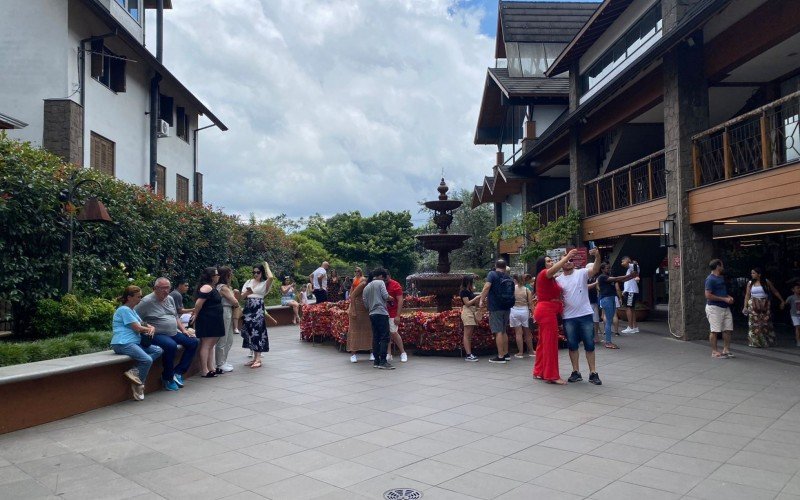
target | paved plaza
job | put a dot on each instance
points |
(668, 422)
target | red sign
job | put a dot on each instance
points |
(676, 261)
(581, 258)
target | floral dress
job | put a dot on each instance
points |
(759, 322)
(254, 326)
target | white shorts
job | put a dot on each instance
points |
(519, 317)
(392, 327)
(796, 320)
(595, 313)
(720, 319)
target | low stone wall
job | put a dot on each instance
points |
(282, 314)
(45, 391)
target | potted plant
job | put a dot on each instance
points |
(641, 309)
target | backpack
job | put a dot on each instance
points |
(505, 291)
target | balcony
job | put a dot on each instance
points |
(551, 209)
(636, 183)
(762, 139)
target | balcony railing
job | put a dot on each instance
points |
(635, 183)
(764, 138)
(551, 209)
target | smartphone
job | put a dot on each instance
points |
(592, 246)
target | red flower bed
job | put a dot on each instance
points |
(429, 331)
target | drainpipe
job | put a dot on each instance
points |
(82, 79)
(194, 158)
(154, 94)
(154, 104)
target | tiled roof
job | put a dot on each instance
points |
(548, 22)
(529, 86)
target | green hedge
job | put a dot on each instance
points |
(149, 235)
(15, 353)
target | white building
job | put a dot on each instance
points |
(78, 73)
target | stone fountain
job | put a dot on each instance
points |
(442, 284)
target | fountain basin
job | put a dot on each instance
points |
(443, 242)
(443, 285)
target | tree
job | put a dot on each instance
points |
(537, 239)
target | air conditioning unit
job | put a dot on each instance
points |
(163, 128)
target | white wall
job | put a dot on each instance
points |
(173, 152)
(632, 14)
(119, 117)
(34, 57)
(545, 115)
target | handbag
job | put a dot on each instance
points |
(145, 340)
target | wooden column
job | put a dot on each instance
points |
(698, 173)
(630, 186)
(613, 193)
(727, 160)
(597, 190)
(650, 179)
(766, 149)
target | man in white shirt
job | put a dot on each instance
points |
(319, 281)
(630, 294)
(578, 315)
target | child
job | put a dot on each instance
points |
(793, 301)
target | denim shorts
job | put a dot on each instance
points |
(579, 330)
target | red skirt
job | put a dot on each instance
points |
(546, 364)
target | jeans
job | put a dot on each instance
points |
(380, 337)
(609, 310)
(143, 356)
(580, 330)
(169, 343)
(224, 344)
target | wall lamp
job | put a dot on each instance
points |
(666, 232)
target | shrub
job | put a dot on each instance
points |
(149, 236)
(14, 353)
(72, 314)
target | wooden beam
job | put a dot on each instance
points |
(630, 186)
(763, 28)
(698, 173)
(766, 150)
(597, 188)
(727, 160)
(650, 180)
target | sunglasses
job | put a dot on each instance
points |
(256, 272)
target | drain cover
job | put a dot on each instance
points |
(402, 494)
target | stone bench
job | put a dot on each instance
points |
(282, 314)
(45, 391)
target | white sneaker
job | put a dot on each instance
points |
(227, 367)
(138, 392)
(250, 355)
(635, 330)
(403, 357)
(354, 359)
(388, 357)
(627, 330)
(133, 376)
(371, 357)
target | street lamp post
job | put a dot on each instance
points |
(93, 211)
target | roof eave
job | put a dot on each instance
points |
(8, 122)
(555, 68)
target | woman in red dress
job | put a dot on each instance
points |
(548, 307)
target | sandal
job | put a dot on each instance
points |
(249, 363)
(520, 356)
(556, 382)
(610, 345)
(717, 355)
(209, 375)
(728, 354)
(256, 364)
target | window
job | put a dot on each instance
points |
(161, 181)
(165, 111)
(102, 154)
(181, 189)
(107, 67)
(198, 187)
(639, 37)
(182, 125)
(132, 6)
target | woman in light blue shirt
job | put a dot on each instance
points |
(127, 328)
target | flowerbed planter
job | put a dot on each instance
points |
(424, 329)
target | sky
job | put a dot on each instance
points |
(333, 105)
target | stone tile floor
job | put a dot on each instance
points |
(668, 422)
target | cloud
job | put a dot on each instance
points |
(332, 105)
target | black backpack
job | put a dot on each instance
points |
(505, 291)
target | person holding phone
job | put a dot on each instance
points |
(254, 328)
